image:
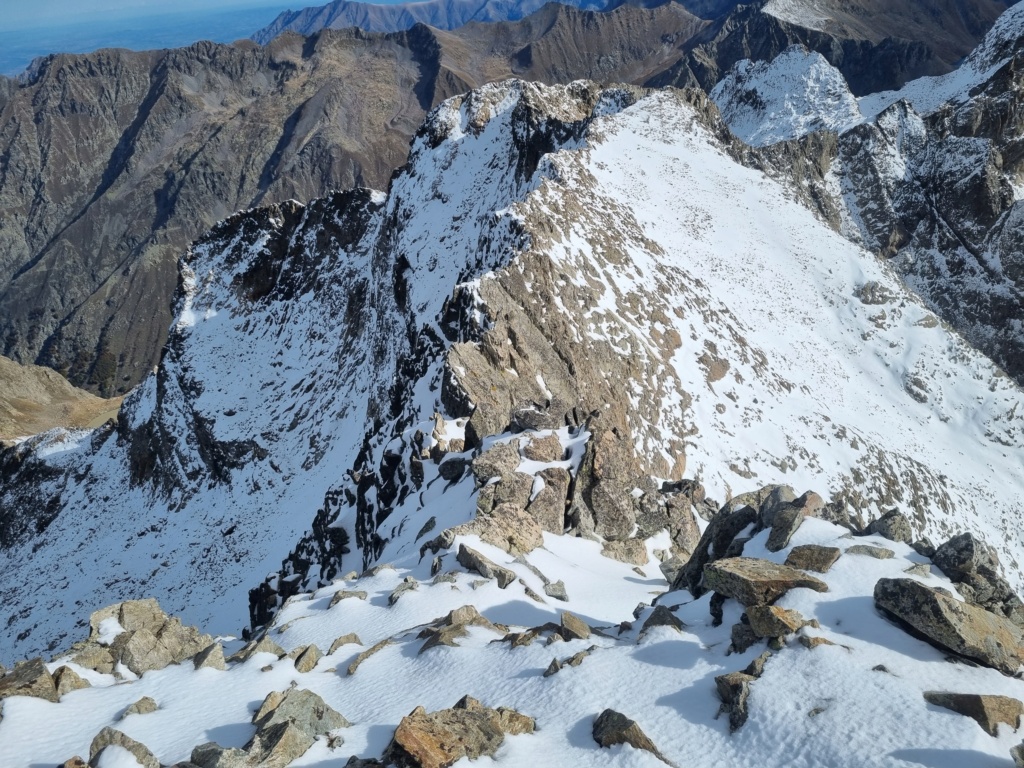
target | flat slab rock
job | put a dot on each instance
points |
(753, 581)
(986, 711)
(440, 739)
(952, 625)
(813, 557)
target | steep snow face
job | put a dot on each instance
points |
(797, 93)
(812, 14)
(804, 359)
(927, 94)
(689, 301)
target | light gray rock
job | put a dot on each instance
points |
(868, 550)
(143, 706)
(787, 519)
(303, 709)
(557, 591)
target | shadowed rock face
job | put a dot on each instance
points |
(111, 163)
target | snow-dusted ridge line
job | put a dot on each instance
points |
(728, 313)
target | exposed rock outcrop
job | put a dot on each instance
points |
(952, 625)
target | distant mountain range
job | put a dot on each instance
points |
(440, 14)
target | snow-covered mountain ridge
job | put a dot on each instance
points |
(533, 267)
(926, 176)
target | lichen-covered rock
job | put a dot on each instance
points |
(440, 739)
(630, 551)
(986, 711)
(348, 639)
(773, 621)
(29, 678)
(752, 581)
(733, 691)
(952, 625)
(813, 557)
(869, 550)
(974, 567)
(500, 459)
(544, 449)
(612, 728)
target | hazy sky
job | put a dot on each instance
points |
(19, 13)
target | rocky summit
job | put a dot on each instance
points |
(621, 426)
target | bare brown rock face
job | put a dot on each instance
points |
(111, 163)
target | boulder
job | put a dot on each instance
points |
(474, 561)
(557, 591)
(893, 525)
(306, 658)
(661, 616)
(742, 637)
(974, 566)
(733, 691)
(612, 728)
(29, 678)
(138, 634)
(574, 628)
(440, 739)
(773, 621)
(986, 711)
(630, 551)
(548, 506)
(74, 762)
(143, 706)
(304, 709)
(778, 497)
(753, 581)
(784, 524)
(65, 679)
(813, 557)
(713, 544)
(1017, 754)
(544, 449)
(111, 737)
(868, 550)
(212, 755)
(952, 625)
(446, 630)
(500, 459)
(506, 526)
(211, 657)
(278, 745)
(260, 645)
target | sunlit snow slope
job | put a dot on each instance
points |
(730, 336)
